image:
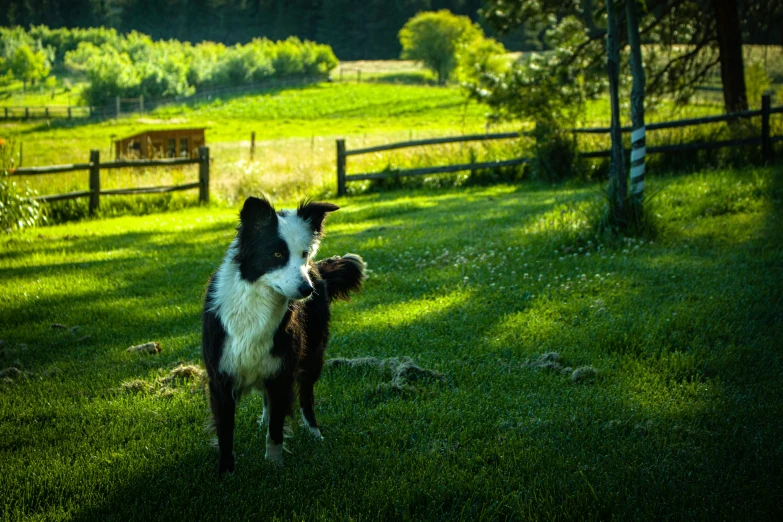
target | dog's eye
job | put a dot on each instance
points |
(304, 254)
(279, 255)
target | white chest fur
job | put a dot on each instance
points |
(250, 313)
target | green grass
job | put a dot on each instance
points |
(62, 94)
(323, 110)
(682, 422)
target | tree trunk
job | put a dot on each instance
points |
(638, 145)
(618, 187)
(732, 69)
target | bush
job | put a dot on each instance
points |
(17, 208)
(136, 65)
(556, 155)
(433, 38)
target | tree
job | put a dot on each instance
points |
(638, 143)
(692, 37)
(618, 188)
(433, 38)
(29, 66)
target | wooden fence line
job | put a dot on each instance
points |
(687, 122)
(765, 140)
(342, 153)
(435, 141)
(95, 166)
(47, 111)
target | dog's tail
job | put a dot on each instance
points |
(343, 275)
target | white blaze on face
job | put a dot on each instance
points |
(298, 236)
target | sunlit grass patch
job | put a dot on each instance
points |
(674, 413)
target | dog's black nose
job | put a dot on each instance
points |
(305, 289)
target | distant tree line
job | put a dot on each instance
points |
(355, 29)
(134, 64)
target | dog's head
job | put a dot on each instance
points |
(275, 248)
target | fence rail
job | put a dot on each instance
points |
(47, 111)
(95, 166)
(765, 140)
(343, 178)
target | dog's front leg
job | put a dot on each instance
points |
(280, 392)
(223, 405)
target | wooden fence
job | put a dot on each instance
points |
(95, 166)
(53, 111)
(765, 140)
(343, 178)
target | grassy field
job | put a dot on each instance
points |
(295, 131)
(675, 414)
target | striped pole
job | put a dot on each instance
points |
(638, 151)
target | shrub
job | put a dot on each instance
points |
(17, 208)
(135, 64)
(433, 38)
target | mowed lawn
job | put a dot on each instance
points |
(674, 414)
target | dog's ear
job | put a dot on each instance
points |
(256, 211)
(314, 212)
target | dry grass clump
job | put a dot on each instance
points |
(151, 347)
(10, 375)
(165, 386)
(551, 361)
(403, 370)
(184, 373)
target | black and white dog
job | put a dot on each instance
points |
(266, 318)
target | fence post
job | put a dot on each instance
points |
(340, 167)
(117, 103)
(95, 180)
(6, 113)
(766, 141)
(89, 114)
(141, 103)
(252, 145)
(27, 113)
(21, 153)
(46, 109)
(203, 174)
(69, 112)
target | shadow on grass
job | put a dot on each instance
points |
(673, 425)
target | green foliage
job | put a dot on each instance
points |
(28, 65)
(434, 38)
(136, 65)
(556, 155)
(6, 74)
(757, 82)
(550, 88)
(478, 57)
(17, 208)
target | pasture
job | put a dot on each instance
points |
(674, 414)
(295, 132)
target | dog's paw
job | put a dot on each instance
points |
(274, 452)
(314, 431)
